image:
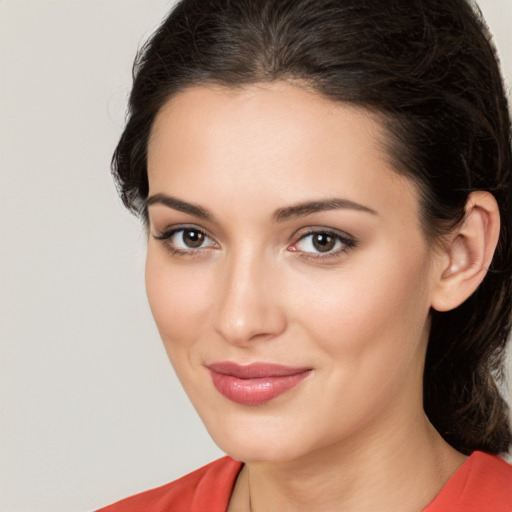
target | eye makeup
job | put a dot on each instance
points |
(316, 243)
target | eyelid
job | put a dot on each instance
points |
(312, 230)
(170, 230)
(348, 241)
(167, 233)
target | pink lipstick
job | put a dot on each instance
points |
(256, 383)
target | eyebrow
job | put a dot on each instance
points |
(280, 215)
(310, 207)
(178, 204)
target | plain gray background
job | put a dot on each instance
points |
(90, 410)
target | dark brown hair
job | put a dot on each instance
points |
(428, 68)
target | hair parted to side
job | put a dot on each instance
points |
(428, 68)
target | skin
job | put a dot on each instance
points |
(353, 436)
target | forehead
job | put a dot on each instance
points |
(280, 111)
(275, 142)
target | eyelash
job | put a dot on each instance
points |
(166, 236)
(346, 241)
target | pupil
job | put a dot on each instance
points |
(193, 238)
(323, 243)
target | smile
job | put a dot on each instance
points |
(256, 383)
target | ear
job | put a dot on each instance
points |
(463, 261)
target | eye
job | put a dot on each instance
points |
(319, 243)
(186, 239)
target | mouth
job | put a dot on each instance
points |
(256, 383)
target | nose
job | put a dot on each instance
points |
(249, 308)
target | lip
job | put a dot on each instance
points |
(256, 383)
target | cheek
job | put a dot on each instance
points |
(370, 313)
(367, 329)
(179, 303)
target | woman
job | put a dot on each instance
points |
(326, 186)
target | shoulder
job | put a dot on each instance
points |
(482, 484)
(207, 488)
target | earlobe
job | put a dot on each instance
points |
(465, 258)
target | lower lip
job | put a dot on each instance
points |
(255, 391)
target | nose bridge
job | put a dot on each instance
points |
(247, 307)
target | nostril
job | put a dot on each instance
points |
(240, 322)
(248, 307)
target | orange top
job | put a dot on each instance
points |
(482, 484)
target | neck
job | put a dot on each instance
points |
(403, 471)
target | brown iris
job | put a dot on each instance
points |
(193, 238)
(323, 242)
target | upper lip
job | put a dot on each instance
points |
(255, 370)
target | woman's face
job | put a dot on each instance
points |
(286, 269)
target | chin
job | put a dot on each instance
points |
(257, 452)
(263, 439)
